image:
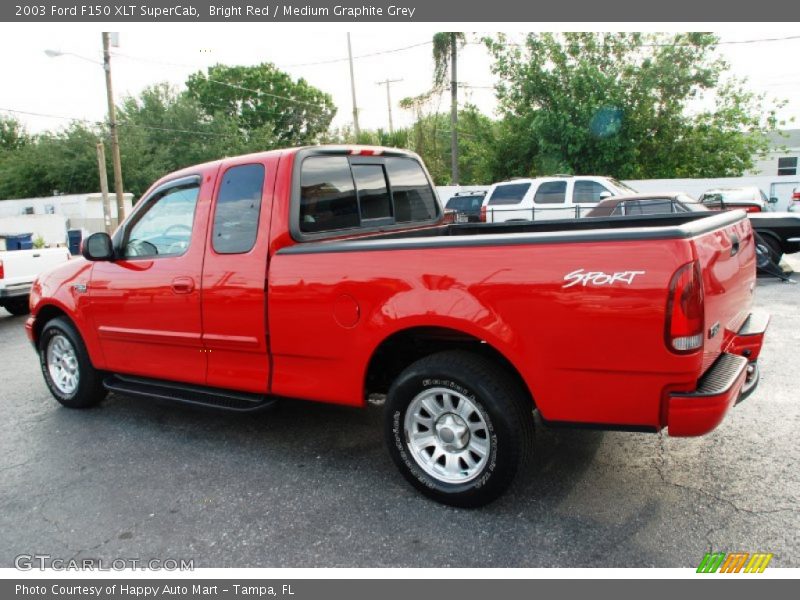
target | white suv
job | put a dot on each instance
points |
(544, 198)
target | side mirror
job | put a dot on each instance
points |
(773, 200)
(605, 195)
(98, 246)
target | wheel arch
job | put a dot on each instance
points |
(46, 312)
(405, 346)
(770, 234)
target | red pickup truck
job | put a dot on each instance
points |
(326, 273)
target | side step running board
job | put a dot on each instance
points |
(185, 393)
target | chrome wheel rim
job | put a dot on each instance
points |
(62, 364)
(447, 434)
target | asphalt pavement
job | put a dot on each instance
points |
(311, 485)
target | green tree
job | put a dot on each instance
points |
(64, 161)
(266, 102)
(12, 134)
(162, 130)
(632, 105)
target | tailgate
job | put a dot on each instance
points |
(728, 264)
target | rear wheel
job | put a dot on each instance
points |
(458, 427)
(17, 306)
(66, 367)
(767, 246)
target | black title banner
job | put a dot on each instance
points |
(418, 11)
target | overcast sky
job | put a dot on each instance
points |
(73, 87)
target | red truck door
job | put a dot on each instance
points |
(234, 306)
(146, 305)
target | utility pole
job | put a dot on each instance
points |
(112, 125)
(356, 129)
(388, 82)
(101, 165)
(454, 108)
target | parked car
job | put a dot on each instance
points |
(646, 204)
(779, 233)
(794, 205)
(325, 273)
(19, 268)
(749, 198)
(467, 206)
(558, 197)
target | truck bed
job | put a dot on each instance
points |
(655, 227)
(589, 352)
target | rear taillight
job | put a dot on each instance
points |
(483, 214)
(2, 270)
(685, 310)
(752, 209)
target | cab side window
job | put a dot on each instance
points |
(164, 227)
(551, 192)
(587, 192)
(237, 210)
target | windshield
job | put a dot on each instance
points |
(691, 204)
(624, 187)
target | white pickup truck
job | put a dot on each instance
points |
(18, 269)
(544, 198)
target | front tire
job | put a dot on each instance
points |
(17, 306)
(458, 427)
(67, 369)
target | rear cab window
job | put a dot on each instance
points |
(465, 203)
(341, 192)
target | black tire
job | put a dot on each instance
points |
(17, 306)
(89, 390)
(771, 246)
(492, 394)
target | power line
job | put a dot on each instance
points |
(686, 45)
(329, 61)
(122, 123)
(263, 93)
(360, 56)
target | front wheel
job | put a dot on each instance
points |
(458, 427)
(66, 367)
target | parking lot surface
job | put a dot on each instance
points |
(310, 485)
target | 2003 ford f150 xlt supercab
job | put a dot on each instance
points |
(326, 273)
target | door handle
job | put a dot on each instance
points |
(183, 285)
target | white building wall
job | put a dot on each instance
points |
(82, 211)
(768, 166)
(51, 228)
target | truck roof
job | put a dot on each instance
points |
(259, 156)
